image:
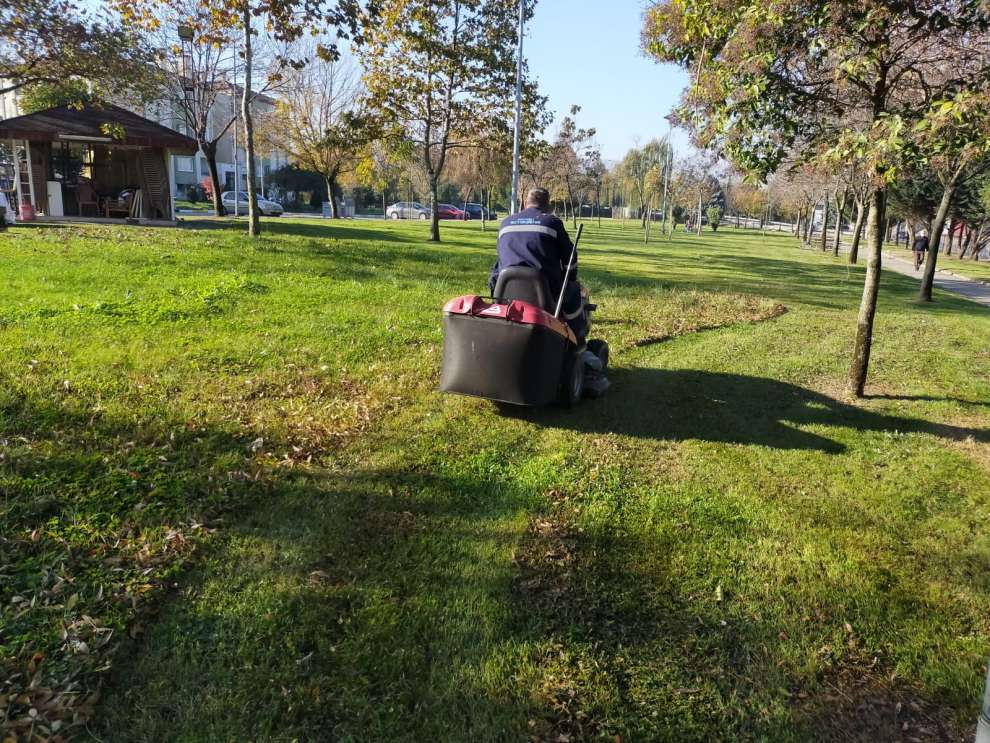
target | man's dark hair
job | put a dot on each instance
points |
(538, 197)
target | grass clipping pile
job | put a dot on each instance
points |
(646, 320)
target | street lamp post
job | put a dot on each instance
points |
(518, 127)
(237, 173)
(187, 80)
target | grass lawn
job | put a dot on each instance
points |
(233, 504)
(199, 206)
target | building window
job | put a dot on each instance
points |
(204, 167)
(184, 165)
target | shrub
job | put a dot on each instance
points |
(714, 214)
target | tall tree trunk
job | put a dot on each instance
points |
(254, 223)
(928, 277)
(825, 205)
(809, 227)
(210, 151)
(840, 207)
(871, 287)
(649, 223)
(952, 236)
(979, 242)
(911, 234)
(857, 230)
(332, 197)
(435, 217)
(965, 240)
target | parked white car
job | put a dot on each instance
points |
(268, 208)
(408, 210)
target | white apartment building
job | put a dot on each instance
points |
(193, 170)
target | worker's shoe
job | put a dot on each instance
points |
(596, 384)
(591, 361)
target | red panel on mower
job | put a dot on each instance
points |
(516, 311)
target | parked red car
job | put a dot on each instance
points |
(449, 211)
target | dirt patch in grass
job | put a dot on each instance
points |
(665, 315)
(862, 705)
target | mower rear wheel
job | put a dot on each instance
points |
(600, 349)
(571, 381)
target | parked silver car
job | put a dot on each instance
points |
(268, 208)
(408, 210)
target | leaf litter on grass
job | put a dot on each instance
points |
(83, 572)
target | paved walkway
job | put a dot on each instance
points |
(965, 287)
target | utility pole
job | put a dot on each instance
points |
(237, 174)
(514, 206)
(666, 180)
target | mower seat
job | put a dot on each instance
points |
(525, 284)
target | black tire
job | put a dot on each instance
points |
(571, 381)
(393, 215)
(600, 349)
(423, 217)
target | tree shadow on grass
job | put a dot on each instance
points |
(340, 229)
(401, 605)
(407, 603)
(326, 229)
(690, 404)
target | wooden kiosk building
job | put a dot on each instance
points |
(98, 162)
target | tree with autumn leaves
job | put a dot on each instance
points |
(848, 82)
(443, 72)
(283, 21)
(320, 120)
(48, 42)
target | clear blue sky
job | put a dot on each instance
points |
(586, 52)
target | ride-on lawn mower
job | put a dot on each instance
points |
(516, 349)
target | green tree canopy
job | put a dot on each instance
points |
(51, 41)
(842, 82)
(41, 96)
(443, 71)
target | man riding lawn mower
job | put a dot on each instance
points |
(528, 346)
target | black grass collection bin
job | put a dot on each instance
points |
(508, 353)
